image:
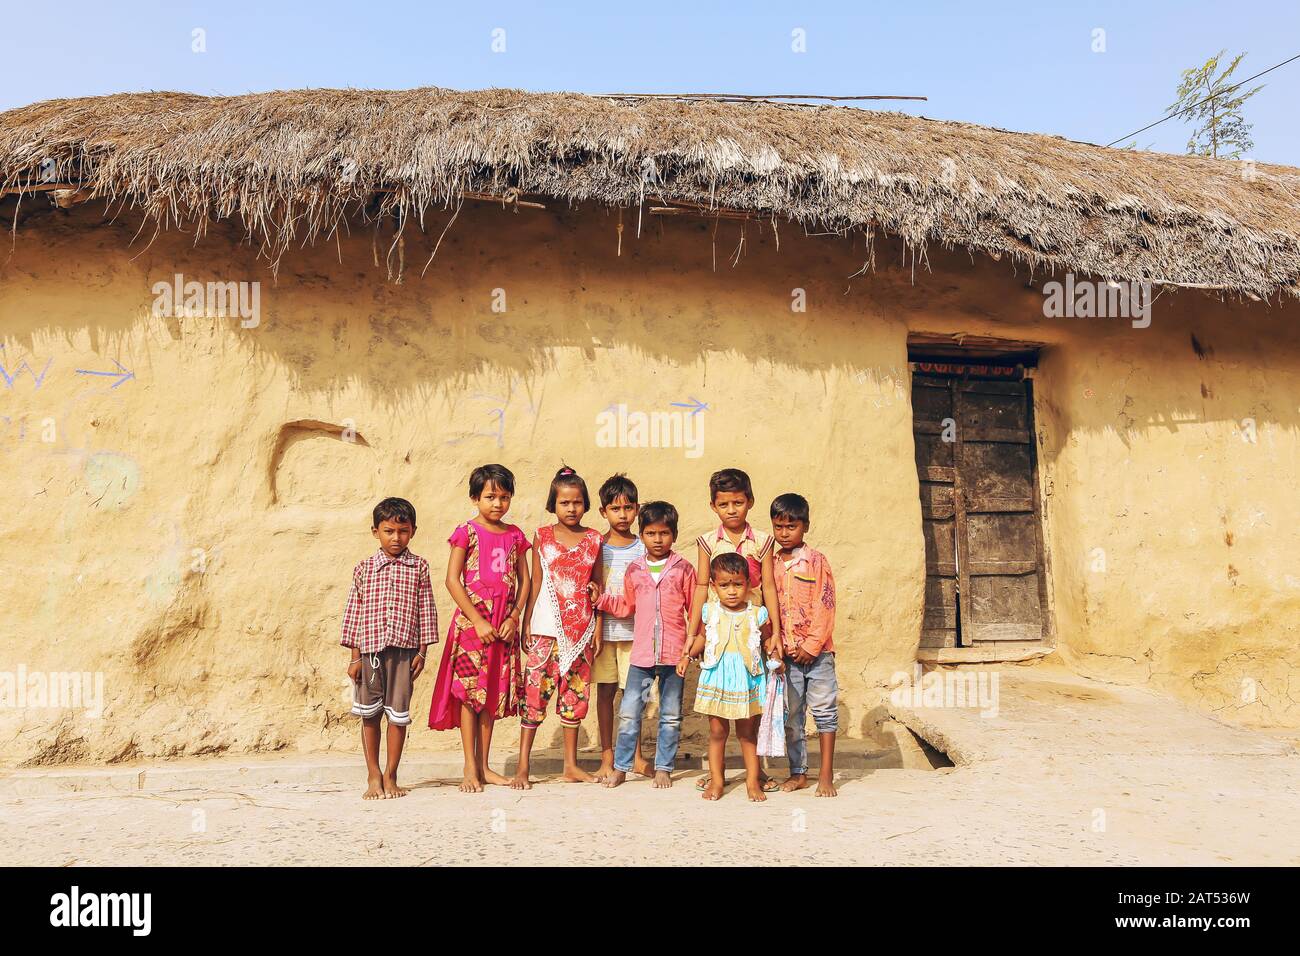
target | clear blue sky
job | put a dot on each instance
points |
(1023, 66)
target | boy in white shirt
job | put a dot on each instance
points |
(619, 548)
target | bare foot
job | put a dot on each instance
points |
(521, 782)
(642, 766)
(663, 779)
(492, 778)
(755, 791)
(826, 787)
(470, 783)
(713, 789)
(796, 781)
(391, 790)
(615, 779)
(604, 771)
(576, 774)
(375, 790)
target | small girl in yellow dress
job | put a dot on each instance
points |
(732, 683)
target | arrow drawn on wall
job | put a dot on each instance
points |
(695, 405)
(122, 375)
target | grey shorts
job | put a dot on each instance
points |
(385, 685)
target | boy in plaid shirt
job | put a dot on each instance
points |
(389, 620)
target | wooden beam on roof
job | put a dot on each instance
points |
(67, 198)
(677, 207)
(967, 340)
(510, 198)
(37, 188)
(1186, 285)
(703, 213)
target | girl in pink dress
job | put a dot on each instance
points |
(488, 578)
(561, 638)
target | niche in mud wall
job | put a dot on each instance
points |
(321, 464)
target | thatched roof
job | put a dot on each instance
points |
(291, 164)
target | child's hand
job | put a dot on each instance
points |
(596, 643)
(683, 666)
(486, 632)
(508, 628)
(593, 592)
(354, 669)
(775, 652)
(417, 665)
(800, 656)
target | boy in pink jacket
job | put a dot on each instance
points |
(805, 591)
(658, 587)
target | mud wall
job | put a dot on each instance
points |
(188, 495)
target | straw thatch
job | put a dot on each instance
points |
(292, 164)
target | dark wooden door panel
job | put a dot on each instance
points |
(931, 400)
(1006, 538)
(932, 419)
(1006, 608)
(939, 622)
(999, 415)
(997, 472)
(936, 500)
(940, 547)
(933, 452)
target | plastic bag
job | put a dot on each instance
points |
(771, 729)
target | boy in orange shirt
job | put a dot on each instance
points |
(805, 593)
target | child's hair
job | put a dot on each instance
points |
(485, 475)
(394, 509)
(659, 512)
(615, 487)
(731, 563)
(730, 479)
(566, 477)
(790, 506)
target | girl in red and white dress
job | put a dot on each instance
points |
(560, 634)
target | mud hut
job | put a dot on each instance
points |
(1042, 395)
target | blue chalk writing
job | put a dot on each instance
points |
(695, 405)
(122, 375)
(9, 379)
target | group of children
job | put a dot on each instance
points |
(545, 619)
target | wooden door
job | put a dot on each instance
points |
(979, 509)
(932, 424)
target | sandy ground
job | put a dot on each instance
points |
(1067, 773)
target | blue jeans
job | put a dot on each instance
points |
(635, 695)
(809, 687)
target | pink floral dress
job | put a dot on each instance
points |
(561, 629)
(478, 675)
